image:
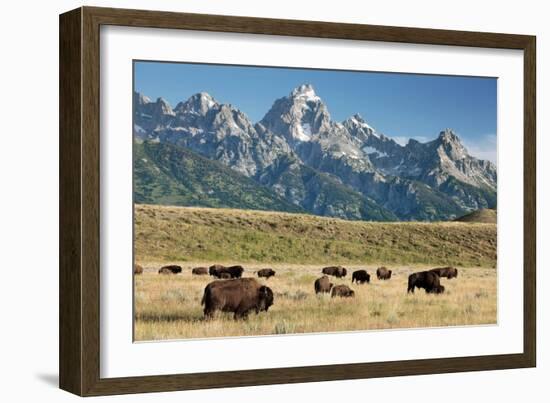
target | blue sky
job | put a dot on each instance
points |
(399, 105)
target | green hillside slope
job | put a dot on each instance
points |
(169, 175)
(225, 235)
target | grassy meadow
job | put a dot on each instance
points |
(191, 234)
(297, 247)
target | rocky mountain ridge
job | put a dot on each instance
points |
(297, 140)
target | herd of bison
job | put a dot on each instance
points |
(233, 293)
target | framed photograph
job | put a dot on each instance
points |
(248, 201)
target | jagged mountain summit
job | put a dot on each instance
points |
(343, 169)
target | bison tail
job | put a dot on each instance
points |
(203, 300)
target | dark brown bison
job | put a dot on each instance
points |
(199, 271)
(266, 273)
(360, 277)
(323, 284)
(239, 296)
(342, 291)
(235, 271)
(138, 269)
(218, 271)
(170, 269)
(448, 272)
(215, 269)
(336, 271)
(382, 273)
(427, 280)
(440, 289)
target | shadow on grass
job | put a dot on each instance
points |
(170, 317)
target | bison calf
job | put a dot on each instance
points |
(383, 273)
(170, 269)
(360, 277)
(266, 273)
(239, 296)
(323, 285)
(427, 280)
(342, 291)
(448, 272)
(336, 271)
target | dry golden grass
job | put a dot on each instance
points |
(168, 307)
(297, 246)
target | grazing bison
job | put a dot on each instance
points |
(448, 272)
(336, 271)
(220, 271)
(266, 273)
(199, 271)
(170, 269)
(427, 280)
(360, 277)
(383, 273)
(235, 271)
(239, 296)
(215, 269)
(342, 291)
(323, 284)
(440, 289)
(138, 269)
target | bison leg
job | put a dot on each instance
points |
(208, 312)
(241, 312)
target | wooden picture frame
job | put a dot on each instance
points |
(79, 317)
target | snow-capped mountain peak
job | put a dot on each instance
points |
(357, 124)
(163, 107)
(448, 135)
(305, 92)
(299, 116)
(451, 144)
(199, 103)
(142, 99)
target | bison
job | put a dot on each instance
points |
(382, 273)
(427, 280)
(323, 285)
(448, 272)
(239, 296)
(336, 271)
(170, 269)
(138, 269)
(360, 277)
(215, 269)
(199, 271)
(235, 271)
(266, 273)
(440, 289)
(220, 271)
(342, 291)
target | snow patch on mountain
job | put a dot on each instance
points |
(305, 92)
